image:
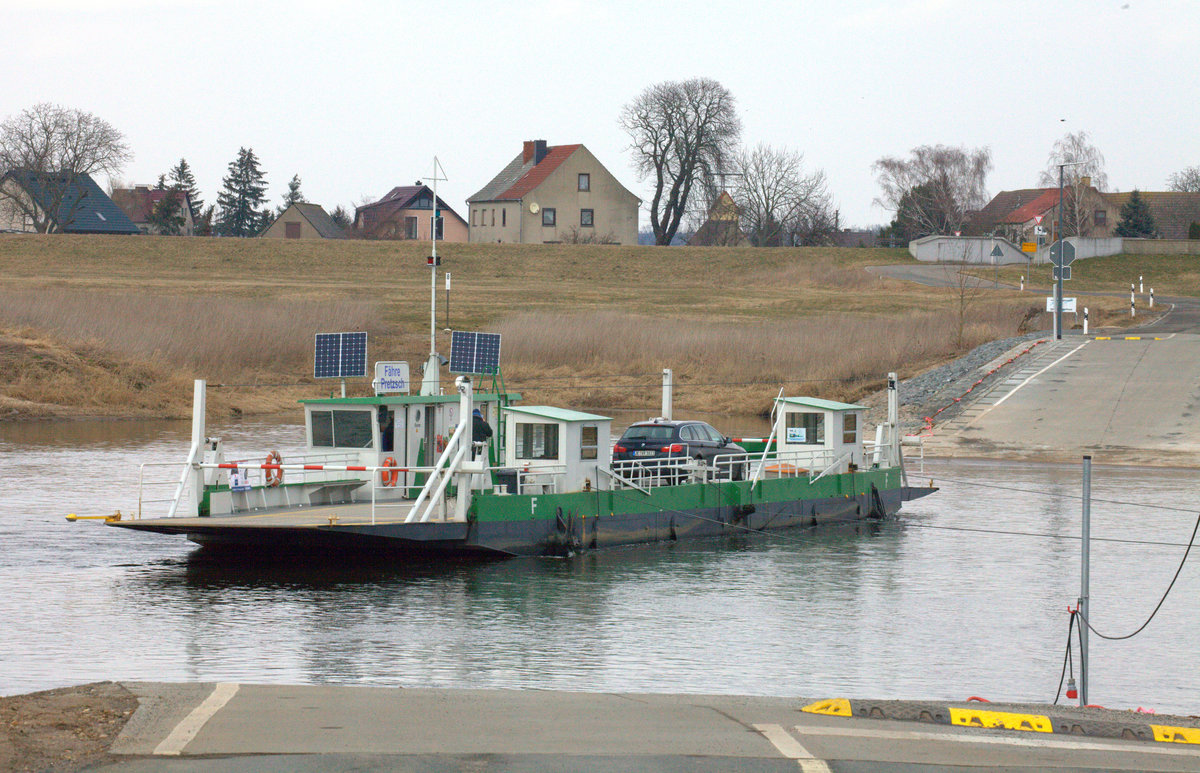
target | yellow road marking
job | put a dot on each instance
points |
(1169, 734)
(976, 718)
(838, 707)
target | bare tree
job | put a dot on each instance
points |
(44, 151)
(1087, 165)
(680, 131)
(936, 189)
(774, 193)
(1187, 181)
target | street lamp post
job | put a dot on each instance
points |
(1058, 286)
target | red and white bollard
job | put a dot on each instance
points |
(1132, 310)
(1152, 297)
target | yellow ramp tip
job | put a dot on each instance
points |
(838, 707)
(72, 517)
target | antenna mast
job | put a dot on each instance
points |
(430, 380)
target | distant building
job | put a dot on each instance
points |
(1173, 211)
(722, 228)
(552, 194)
(1024, 215)
(75, 206)
(855, 237)
(405, 213)
(138, 204)
(304, 220)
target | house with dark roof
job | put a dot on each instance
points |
(58, 203)
(552, 194)
(1173, 211)
(405, 213)
(1024, 215)
(303, 220)
(138, 204)
(722, 227)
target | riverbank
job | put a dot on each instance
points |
(168, 726)
(585, 325)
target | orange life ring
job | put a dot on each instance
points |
(390, 477)
(274, 475)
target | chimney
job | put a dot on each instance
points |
(527, 152)
(1086, 182)
(539, 151)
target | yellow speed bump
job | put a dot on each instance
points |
(838, 707)
(975, 718)
(1169, 734)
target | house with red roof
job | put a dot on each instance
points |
(405, 213)
(1018, 215)
(551, 194)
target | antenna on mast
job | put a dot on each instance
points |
(430, 379)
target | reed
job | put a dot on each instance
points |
(216, 335)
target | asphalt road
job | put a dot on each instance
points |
(231, 727)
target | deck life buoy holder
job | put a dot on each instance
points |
(273, 473)
(390, 477)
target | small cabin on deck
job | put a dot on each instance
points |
(825, 430)
(410, 429)
(556, 449)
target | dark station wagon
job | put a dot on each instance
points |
(651, 442)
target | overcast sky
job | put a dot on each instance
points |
(357, 97)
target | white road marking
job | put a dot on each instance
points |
(1033, 740)
(792, 749)
(1035, 375)
(191, 725)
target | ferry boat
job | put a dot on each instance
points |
(400, 473)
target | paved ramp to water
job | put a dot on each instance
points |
(1128, 399)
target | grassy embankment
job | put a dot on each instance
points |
(1177, 275)
(118, 326)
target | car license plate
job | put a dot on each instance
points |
(643, 453)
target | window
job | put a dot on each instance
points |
(850, 428)
(588, 442)
(474, 217)
(689, 434)
(493, 217)
(537, 441)
(410, 227)
(342, 429)
(549, 217)
(806, 428)
(585, 182)
(291, 230)
(586, 218)
(1101, 217)
(441, 227)
(713, 435)
(503, 217)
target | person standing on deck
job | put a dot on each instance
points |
(480, 429)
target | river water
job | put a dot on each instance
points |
(917, 607)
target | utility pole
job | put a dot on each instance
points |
(1085, 580)
(1058, 286)
(430, 381)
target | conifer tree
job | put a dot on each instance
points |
(1136, 220)
(242, 196)
(183, 178)
(293, 194)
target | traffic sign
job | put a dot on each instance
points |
(1068, 253)
(1037, 219)
(997, 252)
(1028, 246)
(1070, 305)
(1066, 272)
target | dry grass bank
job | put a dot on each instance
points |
(244, 310)
(1177, 275)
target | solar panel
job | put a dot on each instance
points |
(474, 352)
(340, 355)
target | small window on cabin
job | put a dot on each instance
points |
(587, 218)
(804, 429)
(1101, 217)
(588, 442)
(585, 182)
(549, 217)
(850, 428)
(537, 441)
(342, 429)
